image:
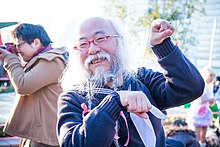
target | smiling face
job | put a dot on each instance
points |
(99, 59)
(25, 50)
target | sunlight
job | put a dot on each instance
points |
(59, 18)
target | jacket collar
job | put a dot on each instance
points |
(49, 55)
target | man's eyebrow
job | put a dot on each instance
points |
(96, 33)
(99, 32)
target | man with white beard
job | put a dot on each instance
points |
(115, 107)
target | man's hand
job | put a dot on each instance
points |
(136, 102)
(160, 30)
(3, 53)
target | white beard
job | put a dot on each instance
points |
(101, 76)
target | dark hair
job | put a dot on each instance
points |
(180, 123)
(29, 32)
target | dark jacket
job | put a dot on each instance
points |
(181, 83)
(188, 137)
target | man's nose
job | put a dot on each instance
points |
(93, 49)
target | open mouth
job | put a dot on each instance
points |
(97, 60)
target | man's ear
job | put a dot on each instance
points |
(37, 43)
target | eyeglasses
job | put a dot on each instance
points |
(20, 44)
(97, 40)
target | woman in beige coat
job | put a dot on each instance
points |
(34, 113)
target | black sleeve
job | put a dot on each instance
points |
(94, 129)
(180, 83)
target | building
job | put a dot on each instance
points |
(207, 52)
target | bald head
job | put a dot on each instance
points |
(94, 21)
(96, 24)
(101, 51)
(101, 48)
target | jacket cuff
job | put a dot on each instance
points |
(163, 49)
(111, 104)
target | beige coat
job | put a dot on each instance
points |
(34, 113)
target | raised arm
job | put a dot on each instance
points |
(180, 82)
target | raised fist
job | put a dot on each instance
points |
(160, 30)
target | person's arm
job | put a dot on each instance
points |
(95, 129)
(34, 79)
(181, 82)
(207, 96)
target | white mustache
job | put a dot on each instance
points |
(92, 57)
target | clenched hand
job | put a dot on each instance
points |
(136, 102)
(160, 30)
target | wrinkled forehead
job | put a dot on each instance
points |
(94, 26)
